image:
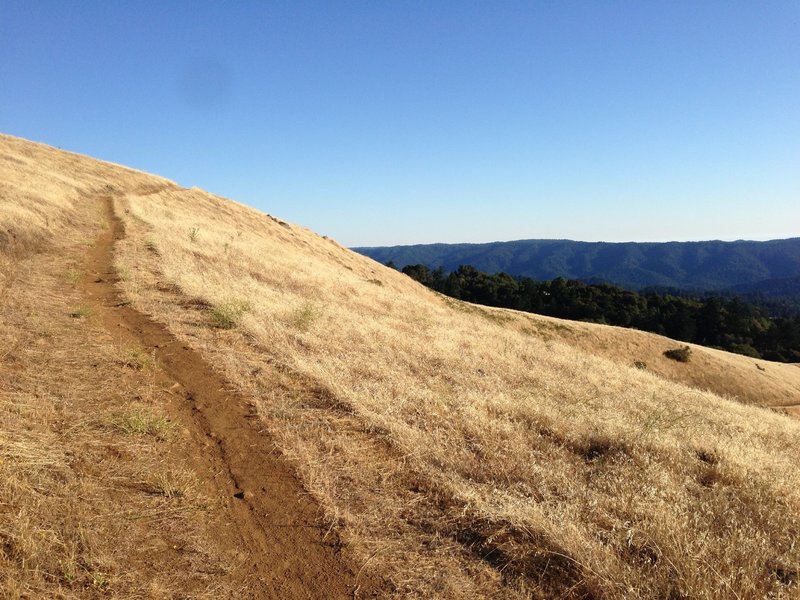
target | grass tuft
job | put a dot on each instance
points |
(142, 421)
(227, 315)
(172, 483)
(123, 273)
(136, 359)
(72, 276)
(99, 581)
(303, 317)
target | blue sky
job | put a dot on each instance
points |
(383, 123)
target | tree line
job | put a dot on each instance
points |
(722, 322)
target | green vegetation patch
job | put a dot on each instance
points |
(136, 358)
(303, 317)
(143, 421)
(227, 315)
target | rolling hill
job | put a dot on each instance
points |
(699, 266)
(205, 398)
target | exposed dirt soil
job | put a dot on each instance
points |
(273, 521)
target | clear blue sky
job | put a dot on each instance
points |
(383, 123)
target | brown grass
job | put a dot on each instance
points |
(465, 452)
(725, 374)
(91, 495)
(460, 454)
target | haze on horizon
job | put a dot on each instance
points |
(401, 123)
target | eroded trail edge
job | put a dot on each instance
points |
(272, 519)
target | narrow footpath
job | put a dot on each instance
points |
(272, 520)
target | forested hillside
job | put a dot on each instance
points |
(779, 297)
(717, 321)
(699, 266)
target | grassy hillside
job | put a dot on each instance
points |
(125, 467)
(96, 499)
(465, 452)
(703, 266)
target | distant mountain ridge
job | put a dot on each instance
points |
(700, 266)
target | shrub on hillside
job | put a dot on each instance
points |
(679, 354)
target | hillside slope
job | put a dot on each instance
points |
(703, 266)
(125, 465)
(459, 451)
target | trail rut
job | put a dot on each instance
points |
(272, 520)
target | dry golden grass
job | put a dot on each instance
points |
(465, 452)
(86, 508)
(748, 380)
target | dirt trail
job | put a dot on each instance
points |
(272, 520)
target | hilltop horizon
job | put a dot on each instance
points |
(397, 123)
(577, 241)
(713, 265)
